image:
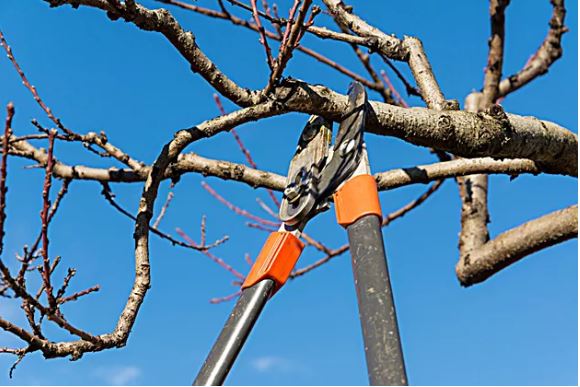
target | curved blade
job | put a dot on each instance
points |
(301, 193)
(315, 171)
(348, 146)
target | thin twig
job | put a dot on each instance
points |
(4, 170)
(262, 32)
(110, 197)
(211, 256)
(290, 41)
(77, 295)
(394, 91)
(243, 148)
(218, 300)
(164, 208)
(32, 89)
(237, 209)
(44, 219)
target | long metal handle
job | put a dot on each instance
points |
(383, 351)
(216, 367)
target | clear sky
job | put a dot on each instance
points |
(520, 327)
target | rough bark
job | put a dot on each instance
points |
(517, 243)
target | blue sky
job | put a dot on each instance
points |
(520, 327)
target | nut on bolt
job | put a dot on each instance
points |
(292, 193)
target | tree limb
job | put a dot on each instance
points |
(460, 167)
(492, 133)
(549, 51)
(513, 245)
(409, 50)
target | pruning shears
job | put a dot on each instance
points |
(317, 172)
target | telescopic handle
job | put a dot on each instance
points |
(377, 314)
(358, 210)
(268, 274)
(216, 367)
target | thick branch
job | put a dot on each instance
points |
(494, 66)
(552, 148)
(513, 245)
(460, 133)
(473, 188)
(387, 45)
(193, 163)
(493, 133)
(447, 169)
(185, 163)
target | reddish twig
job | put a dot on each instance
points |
(261, 227)
(77, 295)
(409, 88)
(110, 197)
(55, 263)
(29, 254)
(320, 262)
(277, 26)
(236, 209)
(32, 89)
(267, 209)
(264, 14)
(290, 41)
(44, 219)
(314, 243)
(4, 170)
(69, 275)
(394, 91)
(164, 209)
(365, 60)
(310, 22)
(262, 32)
(218, 300)
(233, 131)
(243, 148)
(266, 7)
(211, 256)
(290, 21)
(413, 204)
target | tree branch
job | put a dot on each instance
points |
(492, 133)
(549, 51)
(244, 23)
(447, 169)
(513, 245)
(409, 50)
(494, 66)
(161, 20)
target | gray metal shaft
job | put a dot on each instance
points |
(383, 351)
(216, 367)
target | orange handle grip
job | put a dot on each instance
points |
(276, 260)
(358, 197)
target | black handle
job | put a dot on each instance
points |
(377, 314)
(216, 367)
